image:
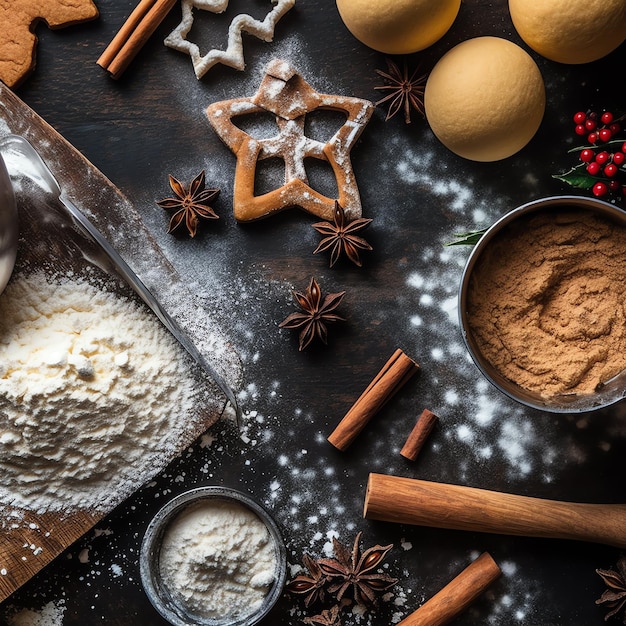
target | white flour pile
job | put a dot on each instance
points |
(94, 395)
(218, 560)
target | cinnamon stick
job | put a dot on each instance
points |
(394, 374)
(133, 34)
(457, 595)
(416, 439)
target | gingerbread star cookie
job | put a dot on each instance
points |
(18, 41)
(233, 55)
(285, 94)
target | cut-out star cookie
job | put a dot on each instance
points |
(233, 55)
(285, 94)
(18, 41)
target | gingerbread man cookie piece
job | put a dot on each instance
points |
(18, 41)
(285, 94)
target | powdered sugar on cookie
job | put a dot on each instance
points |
(233, 55)
(284, 93)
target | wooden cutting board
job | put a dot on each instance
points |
(29, 541)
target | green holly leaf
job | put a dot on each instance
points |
(470, 238)
(577, 177)
(597, 146)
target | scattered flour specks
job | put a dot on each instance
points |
(484, 415)
(416, 320)
(464, 433)
(116, 570)
(478, 426)
(50, 615)
(476, 417)
(417, 169)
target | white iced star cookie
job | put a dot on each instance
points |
(233, 55)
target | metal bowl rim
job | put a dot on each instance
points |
(154, 533)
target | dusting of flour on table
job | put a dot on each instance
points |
(51, 614)
(218, 560)
(95, 395)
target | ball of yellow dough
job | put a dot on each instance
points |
(570, 32)
(398, 26)
(485, 99)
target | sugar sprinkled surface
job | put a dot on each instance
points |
(51, 614)
(479, 429)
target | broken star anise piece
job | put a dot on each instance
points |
(316, 313)
(310, 585)
(357, 571)
(190, 205)
(328, 617)
(614, 598)
(404, 91)
(339, 236)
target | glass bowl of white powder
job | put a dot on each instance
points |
(213, 557)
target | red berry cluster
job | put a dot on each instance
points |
(604, 160)
(597, 128)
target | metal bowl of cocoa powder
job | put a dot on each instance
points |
(542, 304)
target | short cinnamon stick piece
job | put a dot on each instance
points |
(133, 34)
(416, 439)
(457, 595)
(394, 374)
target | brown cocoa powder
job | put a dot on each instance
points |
(546, 301)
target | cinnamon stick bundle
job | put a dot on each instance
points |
(394, 374)
(133, 34)
(457, 595)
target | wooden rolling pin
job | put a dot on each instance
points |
(424, 503)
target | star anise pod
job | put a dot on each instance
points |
(356, 571)
(190, 205)
(328, 617)
(310, 585)
(614, 598)
(340, 236)
(405, 92)
(316, 313)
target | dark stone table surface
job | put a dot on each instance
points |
(152, 123)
